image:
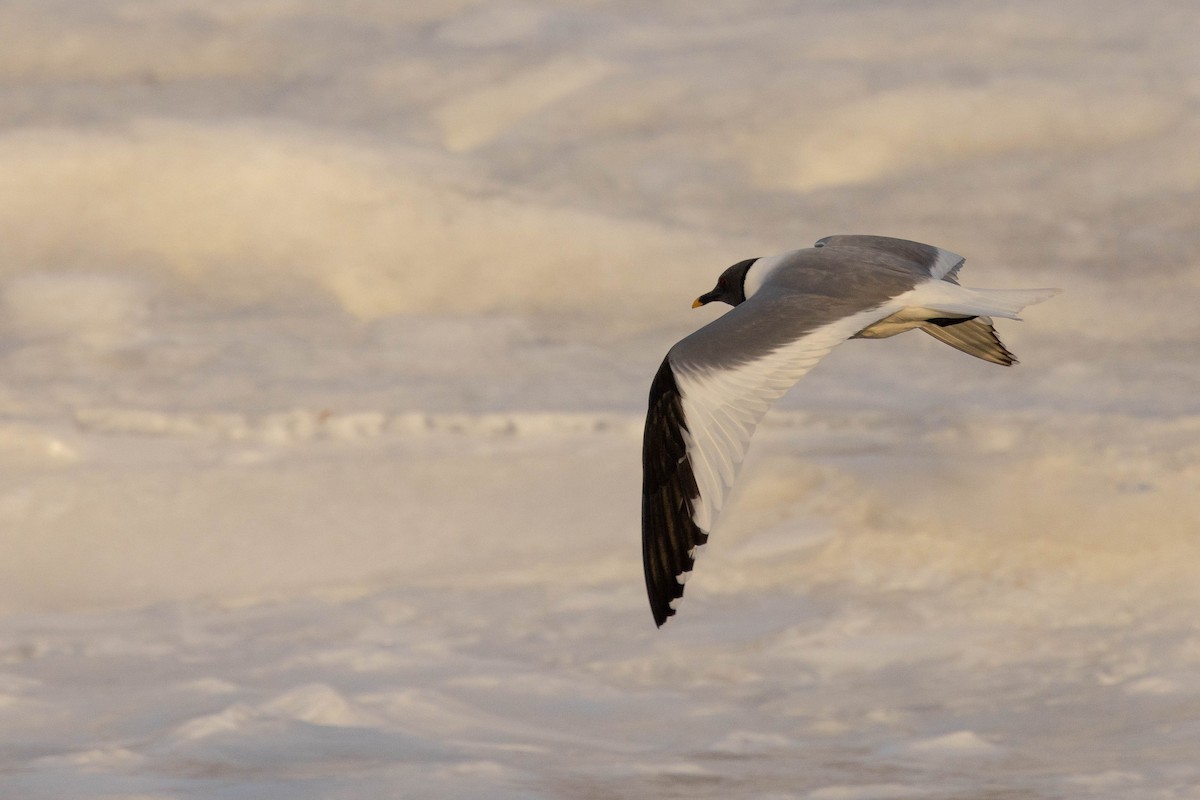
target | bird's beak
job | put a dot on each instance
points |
(699, 301)
(704, 299)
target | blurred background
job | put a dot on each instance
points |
(325, 338)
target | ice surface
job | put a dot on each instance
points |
(325, 336)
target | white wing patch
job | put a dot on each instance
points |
(724, 405)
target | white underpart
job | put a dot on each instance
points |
(723, 406)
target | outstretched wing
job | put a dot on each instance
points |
(705, 402)
(974, 336)
(937, 263)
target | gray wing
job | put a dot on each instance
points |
(706, 400)
(934, 261)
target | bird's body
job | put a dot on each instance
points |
(789, 311)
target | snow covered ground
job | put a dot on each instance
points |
(325, 337)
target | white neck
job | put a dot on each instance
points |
(758, 272)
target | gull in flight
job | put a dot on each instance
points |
(788, 311)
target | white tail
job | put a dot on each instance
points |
(955, 300)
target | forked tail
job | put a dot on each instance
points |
(959, 301)
(967, 324)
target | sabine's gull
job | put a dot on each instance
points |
(788, 311)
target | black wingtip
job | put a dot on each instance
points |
(669, 535)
